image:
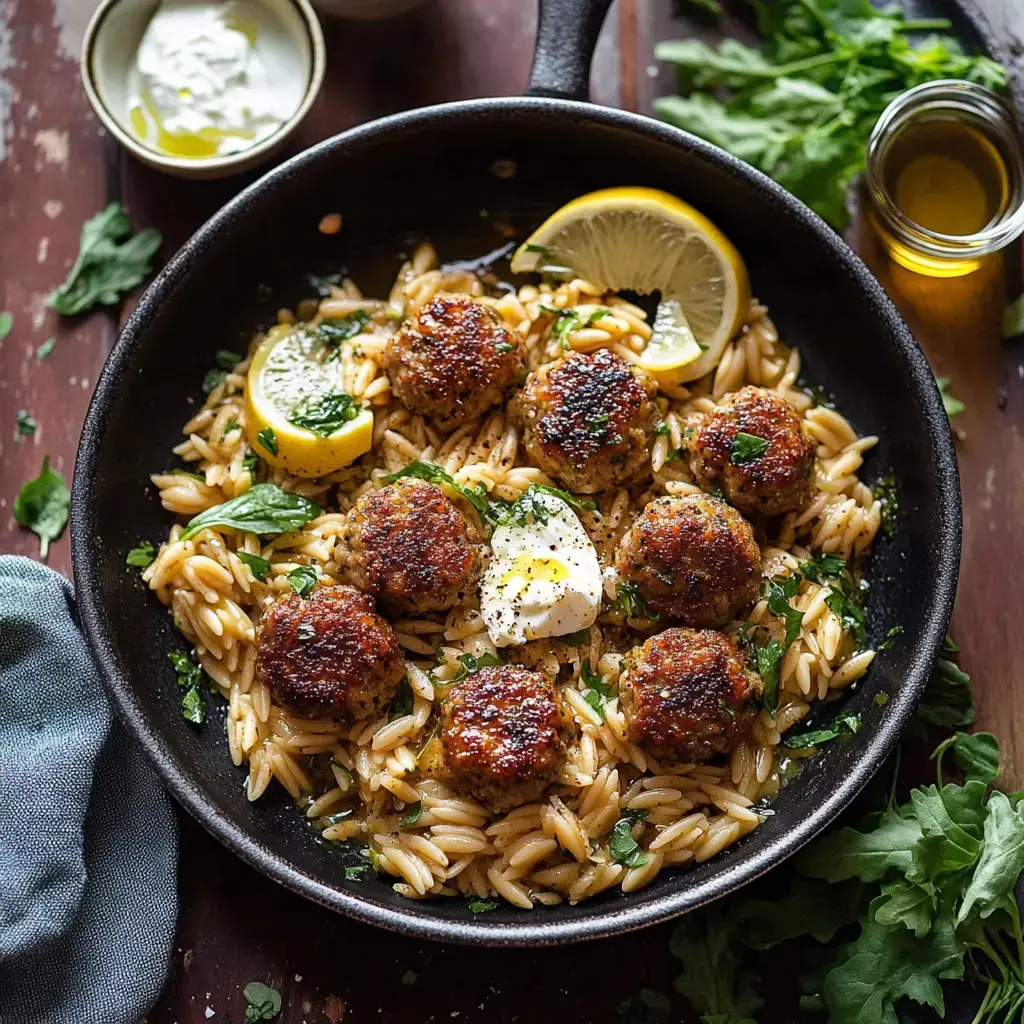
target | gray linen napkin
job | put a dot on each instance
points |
(88, 837)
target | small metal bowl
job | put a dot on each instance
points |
(111, 42)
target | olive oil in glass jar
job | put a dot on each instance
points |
(946, 177)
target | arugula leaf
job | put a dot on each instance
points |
(780, 590)
(436, 475)
(264, 509)
(623, 848)
(952, 405)
(947, 702)
(268, 439)
(258, 565)
(108, 266)
(810, 907)
(141, 557)
(848, 721)
(303, 579)
(6, 323)
(26, 425)
(261, 1002)
(976, 755)
(746, 448)
(326, 415)
(42, 505)
(645, 1007)
(1001, 862)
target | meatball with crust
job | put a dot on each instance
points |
(588, 420)
(688, 694)
(693, 559)
(412, 547)
(453, 360)
(504, 734)
(329, 655)
(775, 480)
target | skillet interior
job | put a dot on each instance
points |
(427, 173)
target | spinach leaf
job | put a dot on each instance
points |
(526, 508)
(766, 661)
(746, 448)
(848, 721)
(436, 475)
(324, 416)
(261, 1002)
(42, 505)
(141, 557)
(108, 264)
(623, 848)
(258, 565)
(268, 439)
(303, 579)
(264, 509)
(6, 323)
(780, 590)
(334, 330)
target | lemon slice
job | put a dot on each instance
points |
(291, 380)
(645, 240)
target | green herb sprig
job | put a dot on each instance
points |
(42, 505)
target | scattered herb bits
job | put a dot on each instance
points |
(848, 722)
(141, 556)
(26, 425)
(623, 847)
(261, 1002)
(303, 579)
(45, 348)
(480, 904)
(190, 679)
(258, 565)
(325, 415)
(746, 448)
(268, 439)
(415, 813)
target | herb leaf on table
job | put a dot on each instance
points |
(801, 107)
(109, 264)
(42, 505)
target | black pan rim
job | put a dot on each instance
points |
(542, 929)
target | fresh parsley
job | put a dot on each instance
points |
(779, 590)
(850, 615)
(325, 415)
(251, 464)
(623, 848)
(258, 565)
(261, 1002)
(597, 692)
(303, 579)
(847, 722)
(631, 603)
(526, 508)
(141, 556)
(890, 638)
(480, 904)
(190, 679)
(42, 506)
(268, 439)
(801, 106)
(503, 348)
(819, 568)
(264, 509)
(357, 872)
(887, 495)
(415, 813)
(109, 264)
(746, 448)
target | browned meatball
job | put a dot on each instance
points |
(692, 558)
(330, 655)
(588, 420)
(410, 546)
(688, 694)
(453, 360)
(776, 480)
(504, 734)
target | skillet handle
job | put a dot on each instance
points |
(567, 33)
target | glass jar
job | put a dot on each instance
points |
(945, 173)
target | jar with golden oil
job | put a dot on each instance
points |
(945, 172)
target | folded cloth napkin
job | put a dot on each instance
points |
(88, 837)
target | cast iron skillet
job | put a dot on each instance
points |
(427, 172)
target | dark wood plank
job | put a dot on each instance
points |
(54, 172)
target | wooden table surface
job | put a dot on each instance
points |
(57, 167)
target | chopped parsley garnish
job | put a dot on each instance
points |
(850, 615)
(322, 283)
(766, 660)
(303, 579)
(403, 701)
(662, 429)
(141, 556)
(848, 722)
(631, 603)
(324, 416)
(190, 679)
(357, 872)
(820, 398)
(415, 813)
(224, 362)
(472, 663)
(780, 590)
(623, 848)
(231, 425)
(258, 565)
(480, 904)
(881, 698)
(746, 448)
(526, 508)
(886, 494)
(819, 568)
(332, 331)
(598, 692)
(890, 638)
(503, 348)
(268, 439)
(251, 463)
(26, 425)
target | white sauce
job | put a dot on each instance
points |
(213, 78)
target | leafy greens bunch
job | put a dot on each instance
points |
(915, 894)
(802, 106)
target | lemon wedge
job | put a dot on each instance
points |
(645, 240)
(297, 416)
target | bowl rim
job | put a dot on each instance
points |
(205, 166)
(609, 919)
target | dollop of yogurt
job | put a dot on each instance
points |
(212, 79)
